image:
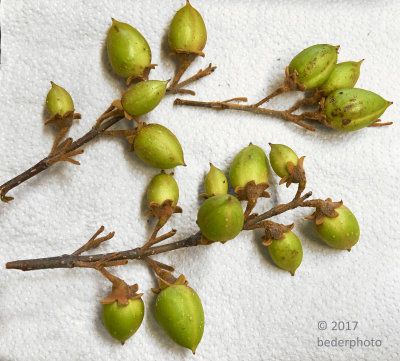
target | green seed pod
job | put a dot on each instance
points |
(163, 187)
(220, 218)
(123, 321)
(180, 313)
(128, 51)
(314, 64)
(187, 32)
(344, 75)
(341, 232)
(250, 164)
(287, 253)
(353, 109)
(143, 97)
(157, 146)
(279, 157)
(58, 101)
(215, 182)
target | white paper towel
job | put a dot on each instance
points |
(253, 310)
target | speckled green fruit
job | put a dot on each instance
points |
(353, 109)
(250, 164)
(215, 182)
(123, 321)
(180, 313)
(187, 32)
(220, 218)
(344, 75)
(314, 64)
(158, 147)
(128, 51)
(341, 232)
(287, 253)
(279, 157)
(58, 100)
(143, 97)
(163, 187)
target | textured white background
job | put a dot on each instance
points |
(253, 310)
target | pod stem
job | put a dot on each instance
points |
(185, 60)
(289, 84)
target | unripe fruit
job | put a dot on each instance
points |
(163, 187)
(279, 157)
(314, 64)
(58, 101)
(157, 146)
(250, 164)
(344, 75)
(123, 321)
(143, 97)
(220, 218)
(215, 182)
(179, 311)
(287, 253)
(187, 32)
(353, 109)
(341, 232)
(128, 51)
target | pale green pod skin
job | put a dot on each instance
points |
(287, 253)
(353, 109)
(314, 64)
(220, 218)
(180, 313)
(123, 321)
(341, 232)
(279, 157)
(143, 97)
(157, 146)
(58, 101)
(187, 32)
(215, 182)
(344, 75)
(163, 187)
(250, 164)
(128, 51)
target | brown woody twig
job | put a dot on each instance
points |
(140, 253)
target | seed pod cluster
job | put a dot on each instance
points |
(346, 109)
(220, 218)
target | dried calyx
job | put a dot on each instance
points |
(335, 224)
(123, 309)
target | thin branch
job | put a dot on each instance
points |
(252, 108)
(178, 88)
(71, 261)
(94, 242)
(64, 154)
